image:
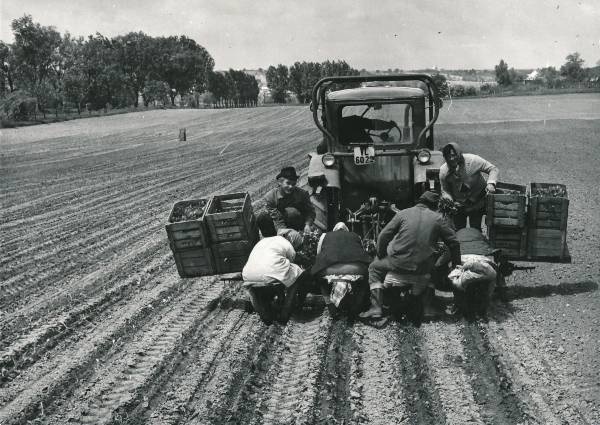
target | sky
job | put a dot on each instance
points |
(373, 34)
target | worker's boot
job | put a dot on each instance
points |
(260, 303)
(376, 311)
(429, 309)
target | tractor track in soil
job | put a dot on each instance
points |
(96, 326)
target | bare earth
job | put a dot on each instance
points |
(97, 327)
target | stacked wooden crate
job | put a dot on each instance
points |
(232, 229)
(548, 212)
(506, 220)
(188, 238)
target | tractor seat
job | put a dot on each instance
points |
(404, 280)
(345, 269)
(261, 284)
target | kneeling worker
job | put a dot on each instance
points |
(287, 206)
(269, 273)
(341, 268)
(407, 245)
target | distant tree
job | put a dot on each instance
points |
(549, 76)
(6, 69)
(183, 64)
(442, 84)
(35, 52)
(277, 81)
(158, 91)
(573, 67)
(503, 76)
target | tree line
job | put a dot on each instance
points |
(300, 78)
(46, 71)
(572, 72)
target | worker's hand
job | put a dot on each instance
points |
(307, 229)
(490, 188)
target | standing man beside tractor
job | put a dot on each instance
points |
(287, 206)
(407, 245)
(462, 181)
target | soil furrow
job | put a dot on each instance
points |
(493, 390)
(293, 392)
(38, 386)
(126, 382)
(375, 385)
(421, 397)
(182, 387)
(533, 381)
(37, 343)
(446, 358)
(333, 394)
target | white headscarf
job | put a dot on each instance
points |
(340, 226)
(294, 237)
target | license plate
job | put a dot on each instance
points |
(364, 155)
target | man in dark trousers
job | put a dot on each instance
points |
(287, 206)
(462, 181)
(407, 245)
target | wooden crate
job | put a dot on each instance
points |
(230, 218)
(194, 262)
(189, 233)
(232, 256)
(549, 244)
(507, 209)
(511, 240)
(546, 211)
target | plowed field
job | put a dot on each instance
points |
(97, 326)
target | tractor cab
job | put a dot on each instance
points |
(377, 153)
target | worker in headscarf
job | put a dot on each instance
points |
(270, 273)
(341, 268)
(462, 180)
(407, 245)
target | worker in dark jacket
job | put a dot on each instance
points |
(462, 181)
(407, 245)
(287, 206)
(341, 268)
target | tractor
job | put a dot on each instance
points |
(377, 157)
(377, 154)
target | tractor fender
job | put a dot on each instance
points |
(316, 171)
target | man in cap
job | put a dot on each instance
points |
(287, 206)
(407, 245)
(462, 181)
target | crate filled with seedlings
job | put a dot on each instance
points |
(547, 221)
(189, 238)
(506, 219)
(233, 231)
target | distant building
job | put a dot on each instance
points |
(534, 75)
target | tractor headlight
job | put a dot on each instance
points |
(423, 156)
(328, 160)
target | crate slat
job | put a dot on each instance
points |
(507, 209)
(511, 240)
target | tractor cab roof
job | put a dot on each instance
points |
(370, 94)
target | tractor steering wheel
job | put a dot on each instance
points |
(385, 135)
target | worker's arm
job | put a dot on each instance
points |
(444, 183)
(387, 234)
(271, 208)
(448, 235)
(490, 169)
